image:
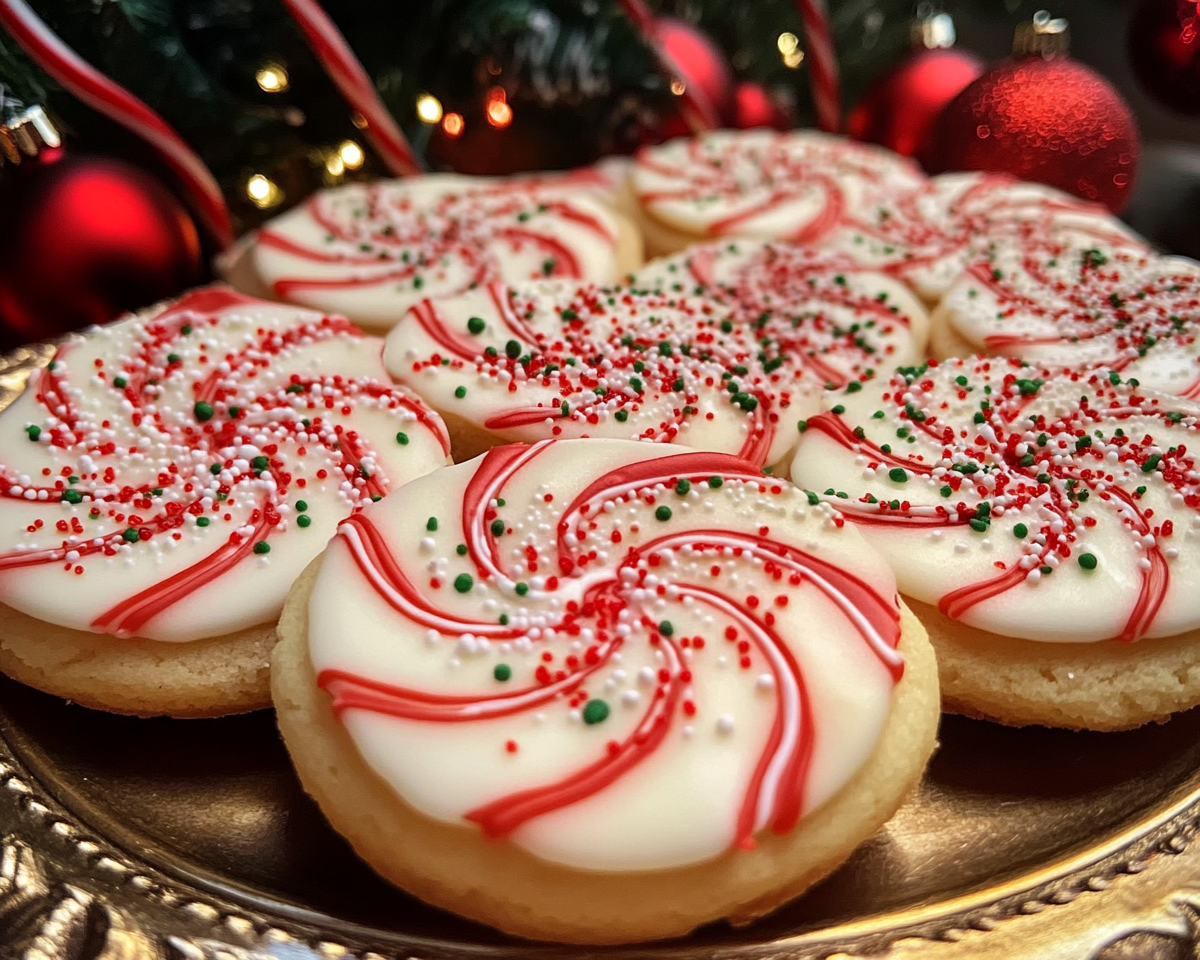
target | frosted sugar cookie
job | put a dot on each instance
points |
(165, 479)
(1042, 525)
(370, 251)
(558, 360)
(601, 691)
(1070, 304)
(832, 317)
(802, 186)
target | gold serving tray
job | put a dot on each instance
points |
(128, 839)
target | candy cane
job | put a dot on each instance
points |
(822, 64)
(97, 91)
(335, 55)
(699, 113)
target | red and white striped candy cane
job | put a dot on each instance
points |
(335, 55)
(822, 64)
(699, 113)
(84, 81)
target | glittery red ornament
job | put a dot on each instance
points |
(84, 239)
(1050, 121)
(753, 107)
(1164, 49)
(702, 67)
(900, 107)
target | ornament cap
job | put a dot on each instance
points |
(1043, 36)
(933, 29)
(24, 131)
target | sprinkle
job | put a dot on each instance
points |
(663, 513)
(130, 535)
(402, 439)
(464, 582)
(497, 527)
(683, 486)
(1020, 531)
(204, 521)
(303, 520)
(476, 325)
(522, 589)
(203, 411)
(595, 711)
(460, 392)
(839, 409)
(34, 432)
(1087, 561)
(120, 383)
(72, 496)
(301, 505)
(666, 628)
(431, 523)
(512, 349)
(715, 483)
(262, 547)
(502, 672)
(461, 549)
(801, 425)
(898, 475)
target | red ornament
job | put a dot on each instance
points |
(900, 108)
(1164, 49)
(753, 107)
(702, 67)
(85, 239)
(1050, 121)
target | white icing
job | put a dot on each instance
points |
(679, 804)
(371, 251)
(933, 560)
(73, 586)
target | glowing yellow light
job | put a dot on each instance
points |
(272, 78)
(793, 60)
(262, 192)
(499, 114)
(351, 154)
(335, 165)
(453, 124)
(787, 43)
(429, 108)
(678, 87)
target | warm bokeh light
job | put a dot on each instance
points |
(787, 43)
(429, 108)
(351, 154)
(499, 114)
(334, 165)
(453, 124)
(272, 78)
(794, 59)
(678, 87)
(262, 192)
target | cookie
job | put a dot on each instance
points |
(556, 359)
(372, 250)
(600, 691)
(1045, 516)
(1064, 301)
(802, 186)
(165, 479)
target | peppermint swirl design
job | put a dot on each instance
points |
(178, 471)
(372, 250)
(1048, 506)
(609, 607)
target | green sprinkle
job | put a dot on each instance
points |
(402, 439)
(512, 349)
(476, 325)
(120, 383)
(303, 520)
(464, 582)
(203, 411)
(1029, 387)
(636, 384)
(666, 628)
(621, 416)
(1087, 561)
(33, 431)
(431, 524)
(898, 474)
(1082, 443)
(497, 527)
(260, 463)
(173, 358)
(522, 589)
(204, 521)
(979, 526)
(504, 619)
(1020, 531)
(262, 547)
(1152, 464)
(460, 392)
(839, 409)
(801, 425)
(595, 711)
(663, 513)
(678, 385)
(813, 499)
(853, 386)
(235, 412)
(714, 483)
(130, 535)
(683, 486)
(886, 448)
(502, 672)
(961, 381)
(72, 496)
(947, 490)
(295, 388)
(1140, 490)
(1046, 570)
(186, 329)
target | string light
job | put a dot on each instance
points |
(453, 124)
(429, 108)
(678, 87)
(335, 165)
(272, 78)
(789, 48)
(262, 192)
(499, 113)
(351, 154)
